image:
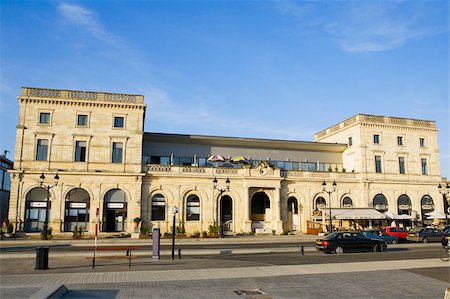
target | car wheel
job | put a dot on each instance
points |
(394, 241)
(376, 248)
(425, 240)
(339, 250)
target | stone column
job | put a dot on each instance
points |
(247, 224)
(277, 209)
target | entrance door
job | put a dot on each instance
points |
(226, 213)
(293, 218)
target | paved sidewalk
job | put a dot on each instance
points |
(31, 285)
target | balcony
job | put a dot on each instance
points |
(203, 162)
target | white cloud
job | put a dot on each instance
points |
(80, 16)
(367, 26)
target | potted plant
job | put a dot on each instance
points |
(145, 232)
(78, 233)
(136, 221)
(49, 233)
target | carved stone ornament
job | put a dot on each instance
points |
(264, 168)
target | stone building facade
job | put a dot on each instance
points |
(109, 170)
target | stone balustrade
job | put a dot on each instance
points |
(81, 95)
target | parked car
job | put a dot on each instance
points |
(399, 232)
(425, 235)
(375, 234)
(340, 242)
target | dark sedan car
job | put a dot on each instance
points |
(424, 235)
(340, 242)
(379, 235)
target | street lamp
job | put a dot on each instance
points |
(444, 190)
(227, 182)
(329, 191)
(48, 187)
(174, 211)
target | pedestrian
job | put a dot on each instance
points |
(393, 223)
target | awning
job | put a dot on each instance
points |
(354, 214)
(435, 215)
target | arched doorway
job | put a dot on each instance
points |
(158, 208)
(76, 214)
(35, 208)
(404, 205)
(426, 206)
(260, 207)
(226, 213)
(293, 216)
(115, 211)
(380, 203)
(192, 208)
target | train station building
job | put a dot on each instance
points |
(83, 158)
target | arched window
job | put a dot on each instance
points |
(35, 207)
(158, 207)
(347, 202)
(192, 208)
(115, 211)
(426, 206)
(404, 204)
(320, 203)
(76, 213)
(380, 203)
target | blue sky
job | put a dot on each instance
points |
(264, 69)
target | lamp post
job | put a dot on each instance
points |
(329, 191)
(444, 190)
(48, 187)
(219, 220)
(174, 211)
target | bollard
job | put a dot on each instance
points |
(179, 253)
(302, 250)
(156, 244)
(41, 258)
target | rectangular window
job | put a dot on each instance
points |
(42, 150)
(424, 166)
(378, 164)
(82, 120)
(117, 152)
(80, 151)
(350, 141)
(44, 118)
(118, 122)
(376, 138)
(422, 142)
(399, 140)
(401, 164)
